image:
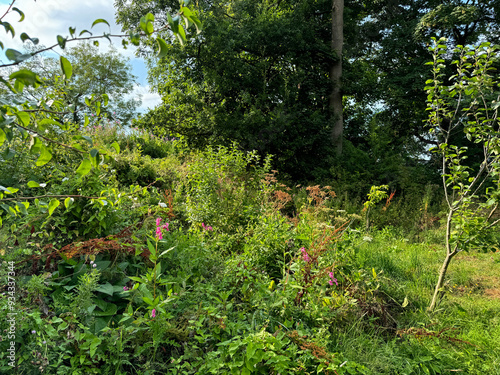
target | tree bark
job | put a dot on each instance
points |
(336, 74)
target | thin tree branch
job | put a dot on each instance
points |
(50, 139)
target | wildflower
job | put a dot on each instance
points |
(165, 226)
(125, 288)
(159, 235)
(94, 265)
(153, 313)
(91, 262)
(305, 256)
(158, 221)
(332, 279)
(33, 332)
(44, 342)
(206, 227)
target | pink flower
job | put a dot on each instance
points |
(331, 274)
(158, 221)
(206, 227)
(330, 282)
(125, 288)
(153, 313)
(165, 226)
(305, 256)
(159, 235)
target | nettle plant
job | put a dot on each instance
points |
(44, 128)
(466, 103)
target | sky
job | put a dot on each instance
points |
(45, 19)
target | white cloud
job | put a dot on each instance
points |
(149, 99)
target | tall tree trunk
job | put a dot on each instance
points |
(336, 74)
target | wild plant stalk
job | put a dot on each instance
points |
(468, 104)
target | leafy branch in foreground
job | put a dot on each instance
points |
(42, 127)
(469, 102)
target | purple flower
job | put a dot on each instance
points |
(158, 220)
(125, 288)
(305, 256)
(33, 332)
(153, 313)
(165, 226)
(330, 282)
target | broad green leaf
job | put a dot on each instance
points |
(43, 124)
(72, 31)
(16, 56)
(18, 86)
(45, 156)
(174, 25)
(84, 167)
(22, 208)
(23, 117)
(53, 204)
(33, 184)
(115, 145)
(94, 152)
(66, 67)
(100, 20)
(162, 47)
(27, 77)
(106, 288)
(68, 202)
(86, 121)
(85, 31)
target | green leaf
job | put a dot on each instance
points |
(100, 20)
(68, 202)
(165, 252)
(23, 117)
(106, 289)
(66, 67)
(19, 12)
(115, 145)
(94, 152)
(84, 167)
(22, 208)
(2, 137)
(181, 35)
(162, 47)
(53, 204)
(16, 56)
(45, 156)
(33, 184)
(61, 41)
(27, 77)
(72, 31)
(8, 28)
(151, 248)
(85, 31)
(174, 25)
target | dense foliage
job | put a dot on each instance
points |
(175, 247)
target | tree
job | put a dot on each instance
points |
(258, 75)
(336, 74)
(38, 129)
(469, 102)
(94, 74)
